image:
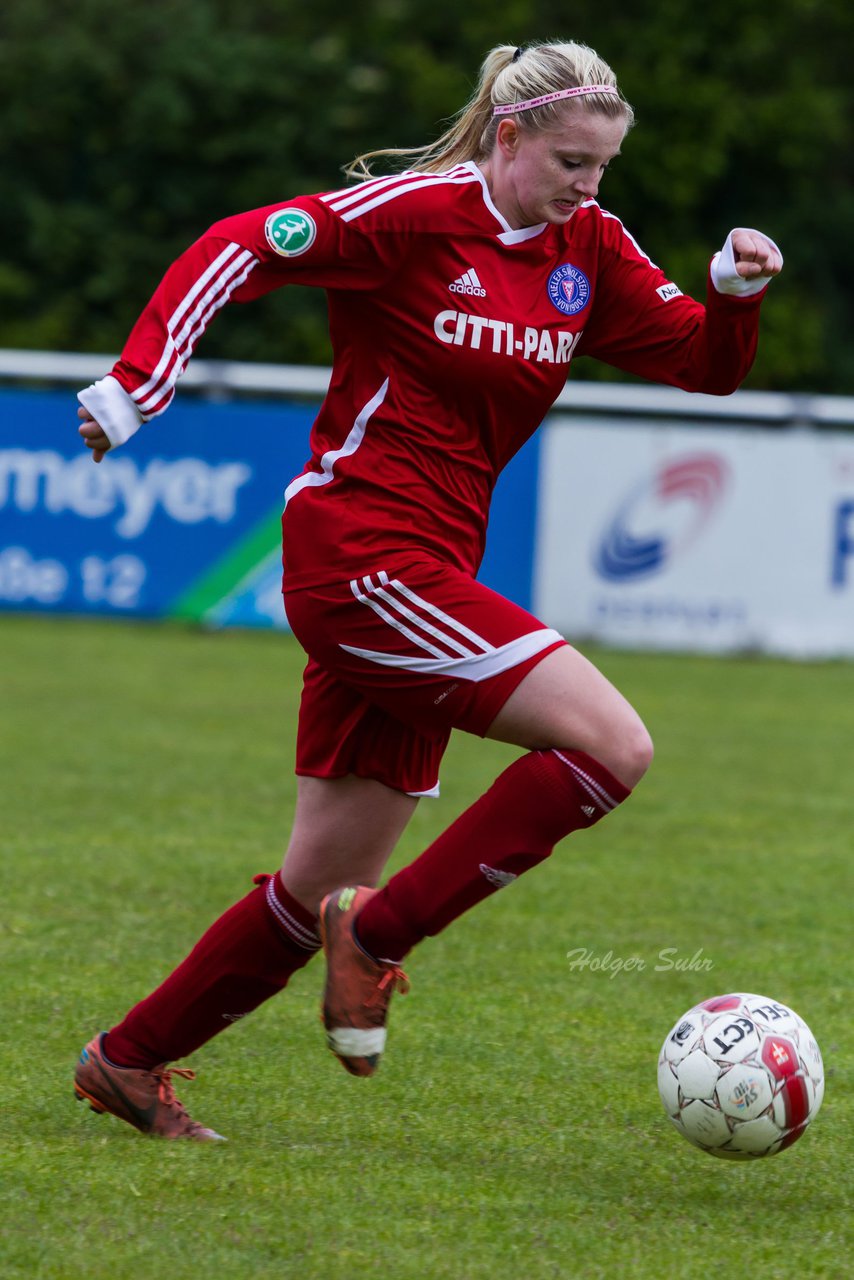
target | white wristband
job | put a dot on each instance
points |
(112, 408)
(726, 279)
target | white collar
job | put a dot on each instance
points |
(509, 235)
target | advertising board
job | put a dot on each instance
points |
(674, 536)
(183, 522)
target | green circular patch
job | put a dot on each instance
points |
(290, 231)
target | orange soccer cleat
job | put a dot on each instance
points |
(145, 1099)
(358, 988)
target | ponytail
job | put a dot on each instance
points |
(509, 75)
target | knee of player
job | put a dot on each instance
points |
(635, 753)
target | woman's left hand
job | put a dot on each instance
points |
(755, 255)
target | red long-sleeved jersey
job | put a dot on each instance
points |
(452, 336)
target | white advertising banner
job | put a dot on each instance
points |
(708, 539)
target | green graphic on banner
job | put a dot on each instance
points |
(203, 600)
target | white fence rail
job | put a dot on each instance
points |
(232, 377)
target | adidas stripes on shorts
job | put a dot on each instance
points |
(397, 659)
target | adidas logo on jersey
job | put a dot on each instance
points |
(468, 283)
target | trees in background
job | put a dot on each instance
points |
(126, 131)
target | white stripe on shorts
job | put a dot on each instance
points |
(445, 618)
(438, 624)
(432, 793)
(387, 617)
(477, 667)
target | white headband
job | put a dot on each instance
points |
(511, 107)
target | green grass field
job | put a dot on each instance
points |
(515, 1129)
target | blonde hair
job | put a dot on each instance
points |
(511, 75)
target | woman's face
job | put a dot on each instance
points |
(544, 175)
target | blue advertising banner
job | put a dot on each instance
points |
(184, 521)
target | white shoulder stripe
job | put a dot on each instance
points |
(429, 180)
(363, 190)
(359, 189)
(627, 234)
(351, 195)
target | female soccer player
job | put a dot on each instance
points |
(458, 291)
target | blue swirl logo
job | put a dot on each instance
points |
(661, 517)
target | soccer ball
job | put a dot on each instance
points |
(741, 1076)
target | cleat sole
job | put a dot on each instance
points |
(95, 1106)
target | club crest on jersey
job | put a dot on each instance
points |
(568, 289)
(290, 231)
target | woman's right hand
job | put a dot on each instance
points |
(93, 435)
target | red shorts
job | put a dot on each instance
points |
(397, 660)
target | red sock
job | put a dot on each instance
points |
(540, 799)
(246, 956)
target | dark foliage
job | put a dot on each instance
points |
(126, 130)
